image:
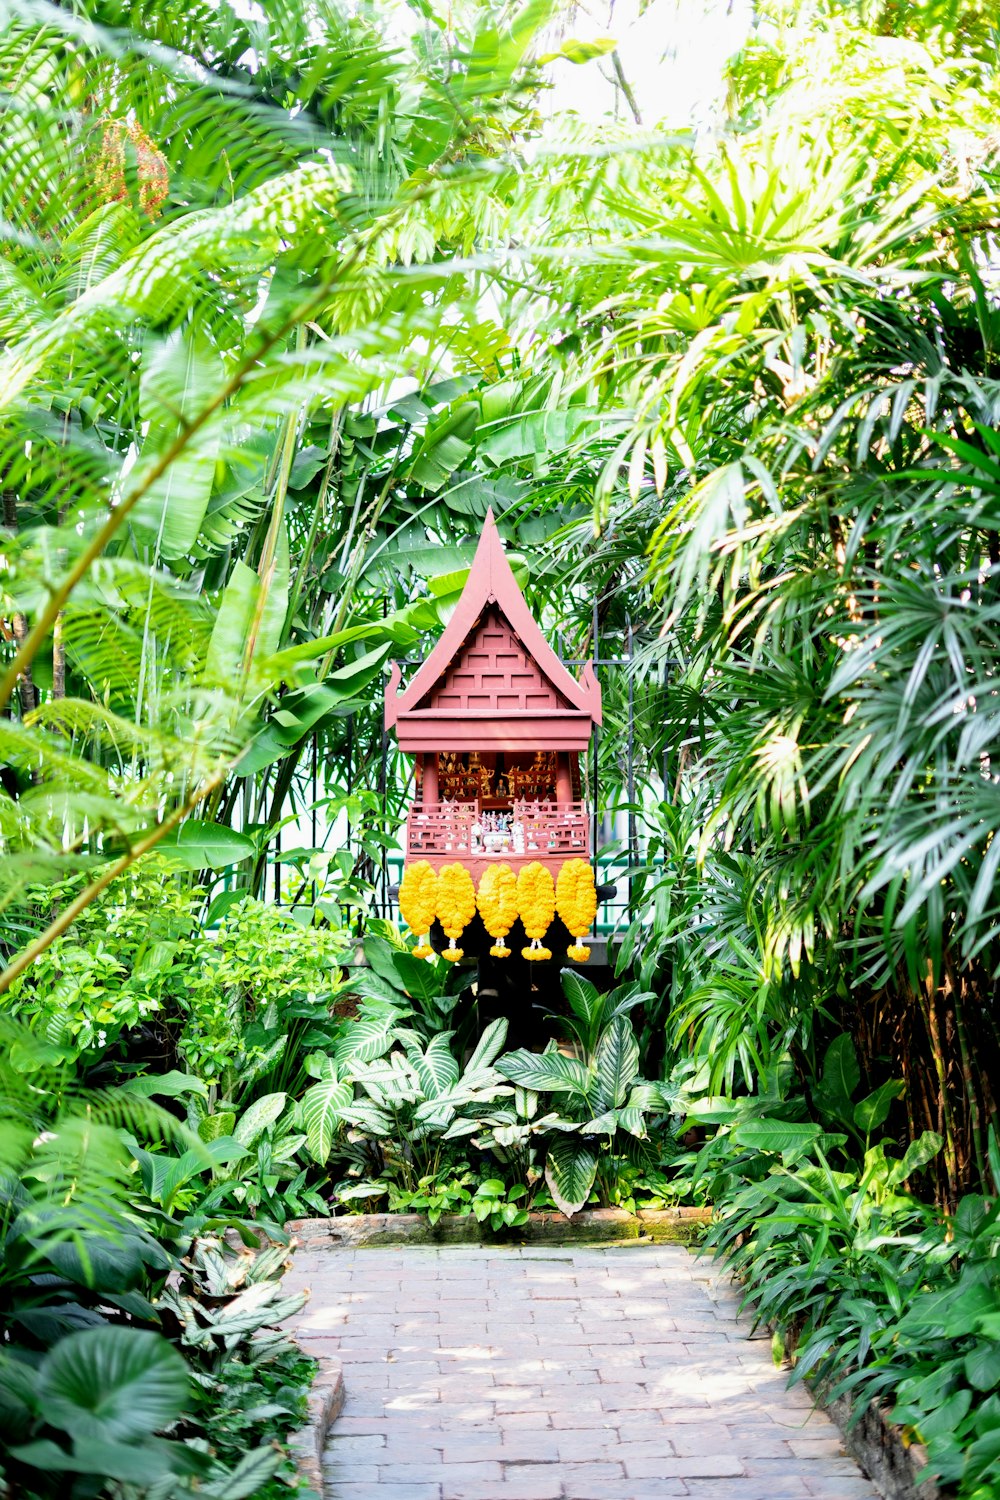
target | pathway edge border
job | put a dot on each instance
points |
(876, 1443)
(325, 1403)
(597, 1225)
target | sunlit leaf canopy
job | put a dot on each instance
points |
(231, 247)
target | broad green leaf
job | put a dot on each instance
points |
(633, 1120)
(182, 1170)
(201, 845)
(139, 1463)
(366, 982)
(303, 709)
(381, 955)
(570, 1169)
(178, 375)
(365, 1040)
(791, 1139)
(255, 1120)
(169, 1085)
(322, 1111)
(617, 1062)
(543, 1071)
(917, 1154)
(418, 977)
(231, 631)
(585, 999)
(436, 1067)
(491, 1188)
(982, 1366)
(489, 1046)
(113, 1384)
(272, 619)
(229, 650)
(250, 1475)
(264, 749)
(652, 1096)
(213, 1127)
(369, 1118)
(841, 1076)
(873, 1111)
(954, 1312)
(394, 628)
(576, 51)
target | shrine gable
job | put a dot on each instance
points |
(493, 672)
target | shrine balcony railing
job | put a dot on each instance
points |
(440, 828)
(533, 829)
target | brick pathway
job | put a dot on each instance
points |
(531, 1374)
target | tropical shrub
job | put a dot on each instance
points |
(139, 982)
(260, 995)
(872, 1292)
(409, 1098)
(107, 1373)
(436, 997)
(605, 1107)
(114, 988)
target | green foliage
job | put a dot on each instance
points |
(107, 1373)
(259, 994)
(600, 1094)
(412, 1100)
(739, 393)
(138, 981)
(436, 995)
(215, 273)
(122, 969)
(445, 1192)
(251, 1380)
(499, 1205)
(874, 1293)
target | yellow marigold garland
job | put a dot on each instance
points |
(536, 901)
(497, 902)
(576, 902)
(456, 905)
(418, 901)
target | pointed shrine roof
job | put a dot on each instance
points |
(492, 582)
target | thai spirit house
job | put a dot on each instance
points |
(497, 727)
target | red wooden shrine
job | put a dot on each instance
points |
(497, 726)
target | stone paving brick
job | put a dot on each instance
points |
(840, 1488)
(700, 1466)
(520, 1421)
(519, 1486)
(583, 1445)
(376, 1490)
(711, 1488)
(637, 1449)
(816, 1447)
(625, 1489)
(459, 1472)
(599, 1373)
(475, 1444)
(337, 1474)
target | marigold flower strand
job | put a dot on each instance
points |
(456, 906)
(418, 900)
